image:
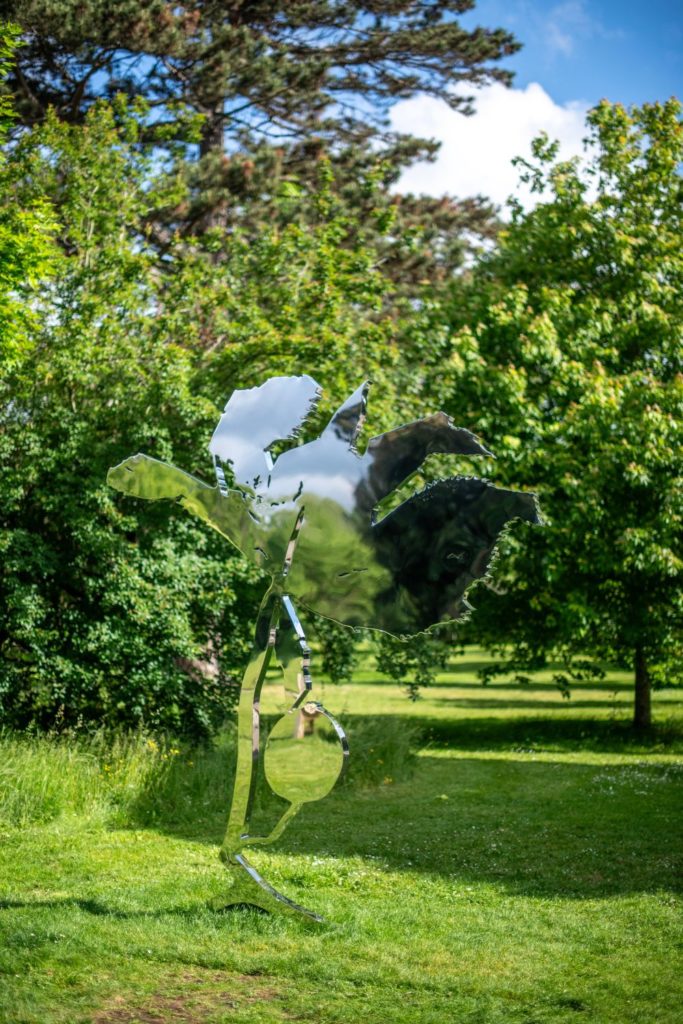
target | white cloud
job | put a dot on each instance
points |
(559, 39)
(476, 152)
(567, 25)
(564, 23)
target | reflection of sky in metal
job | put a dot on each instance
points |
(254, 419)
(283, 490)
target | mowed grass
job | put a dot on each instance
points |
(520, 870)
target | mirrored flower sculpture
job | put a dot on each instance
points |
(311, 518)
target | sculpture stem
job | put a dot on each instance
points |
(248, 723)
(278, 630)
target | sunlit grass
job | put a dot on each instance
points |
(521, 870)
(458, 693)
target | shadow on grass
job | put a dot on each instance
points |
(96, 909)
(538, 828)
(193, 802)
(557, 734)
(549, 828)
(532, 705)
(496, 685)
(545, 829)
(451, 677)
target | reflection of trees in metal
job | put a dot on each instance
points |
(309, 518)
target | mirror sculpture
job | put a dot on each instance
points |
(312, 519)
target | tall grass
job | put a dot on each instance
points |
(42, 779)
(136, 779)
(125, 779)
(382, 751)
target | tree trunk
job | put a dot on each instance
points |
(642, 712)
(212, 144)
(212, 137)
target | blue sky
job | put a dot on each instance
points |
(575, 53)
(629, 52)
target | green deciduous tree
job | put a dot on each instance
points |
(566, 355)
(115, 611)
(27, 249)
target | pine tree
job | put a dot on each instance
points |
(249, 93)
(283, 67)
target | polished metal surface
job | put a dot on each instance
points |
(311, 517)
(304, 757)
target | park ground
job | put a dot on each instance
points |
(518, 868)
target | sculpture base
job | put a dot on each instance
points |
(250, 890)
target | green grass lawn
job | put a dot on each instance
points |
(523, 871)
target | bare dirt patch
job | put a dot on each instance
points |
(207, 996)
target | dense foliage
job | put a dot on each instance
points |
(279, 83)
(566, 353)
(305, 67)
(116, 611)
(126, 320)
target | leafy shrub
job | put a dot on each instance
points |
(382, 751)
(113, 611)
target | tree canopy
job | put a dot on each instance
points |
(243, 98)
(127, 318)
(566, 352)
(294, 68)
(111, 612)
